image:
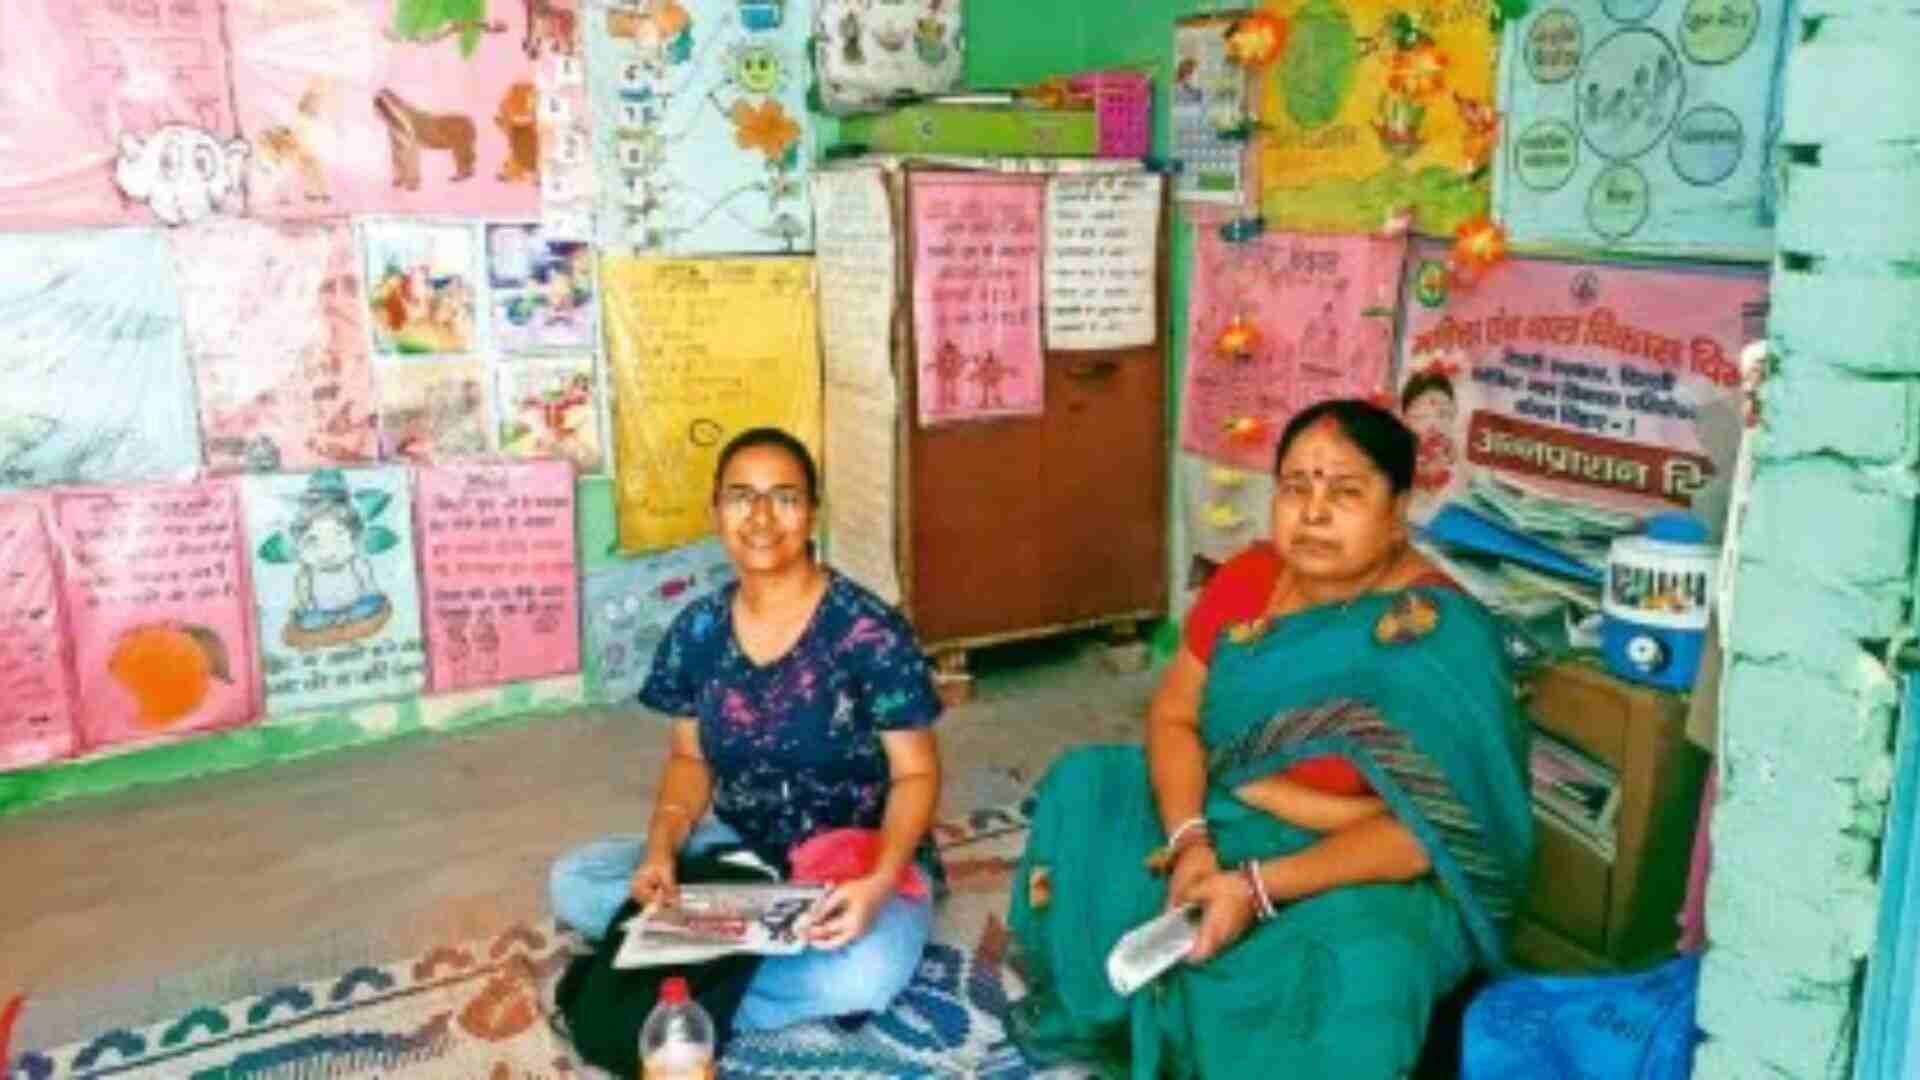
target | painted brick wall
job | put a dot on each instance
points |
(1826, 560)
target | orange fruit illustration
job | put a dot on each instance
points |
(168, 668)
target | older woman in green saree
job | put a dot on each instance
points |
(1334, 776)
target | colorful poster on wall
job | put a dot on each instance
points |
(153, 580)
(699, 350)
(98, 97)
(497, 570)
(94, 382)
(630, 604)
(36, 682)
(274, 323)
(566, 122)
(870, 55)
(1585, 382)
(334, 588)
(423, 285)
(433, 409)
(1103, 261)
(1375, 107)
(976, 295)
(1277, 323)
(387, 106)
(1637, 128)
(1226, 508)
(698, 140)
(541, 289)
(1211, 96)
(549, 407)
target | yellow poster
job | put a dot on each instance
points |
(698, 351)
(1375, 107)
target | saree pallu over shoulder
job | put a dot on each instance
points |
(1412, 689)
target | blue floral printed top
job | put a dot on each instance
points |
(794, 746)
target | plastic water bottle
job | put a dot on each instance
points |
(676, 1042)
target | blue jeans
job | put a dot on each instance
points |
(588, 884)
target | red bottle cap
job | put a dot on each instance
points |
(673, 991)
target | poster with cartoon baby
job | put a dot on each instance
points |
(334, 587)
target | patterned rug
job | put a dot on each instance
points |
(473, 1011)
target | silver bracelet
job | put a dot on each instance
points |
(1182, 829)
(1252, 869)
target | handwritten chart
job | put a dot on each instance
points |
(1103, 255)
(498, 572)
(976, 295)
(154, 584)
(36, 685)
(698, 351)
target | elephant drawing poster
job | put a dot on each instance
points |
(94, 385)
(334, 588)
(398, 106)
(97, 96)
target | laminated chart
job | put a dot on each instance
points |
(276, 330)
(1634, 126)
(36, 680)
(699, 144)
(630, 604)
(498, 577)
(154, 583)
(1376, 107)
(699, 350)
(387, 106)
(335, 595)
(1586, 382)
(99, 97)
(94, 382)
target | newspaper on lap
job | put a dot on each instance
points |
(718, 919)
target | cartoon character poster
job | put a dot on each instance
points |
(36, 683)
(541, 289)
(335, 596)
(94, 382)
(1278, 323)
(1587, 382)
(433, 409)
(154, 583)
(550, 407)
(1375, 107)
(116, 113)
(699, 137)
(630, 604)
(1637, 128)
(390, 106)
(275, 327)
(499, 580)
(423, 286)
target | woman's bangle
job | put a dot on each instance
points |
(1263, 900)
(1193, 825)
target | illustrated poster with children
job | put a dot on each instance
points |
(541, 289)
(1586, 382)
(36, 683)
(498, 573)
(423, 287)
(550, 407)
(337, 604)
(154, 584)
(1277, 323)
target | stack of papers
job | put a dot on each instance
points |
(1574, 793)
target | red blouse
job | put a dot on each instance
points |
(1239, 592)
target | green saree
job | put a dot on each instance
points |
(1412, 688)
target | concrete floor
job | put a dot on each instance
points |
(132, 908)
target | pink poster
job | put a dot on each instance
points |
(397, 106)
(36, 682)
(976, 295)
(1588, 382)
(500, 590)
(274, 329)
(154, 585)
(95, 95)
(1278, 323)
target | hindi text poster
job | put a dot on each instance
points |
(36, 681)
